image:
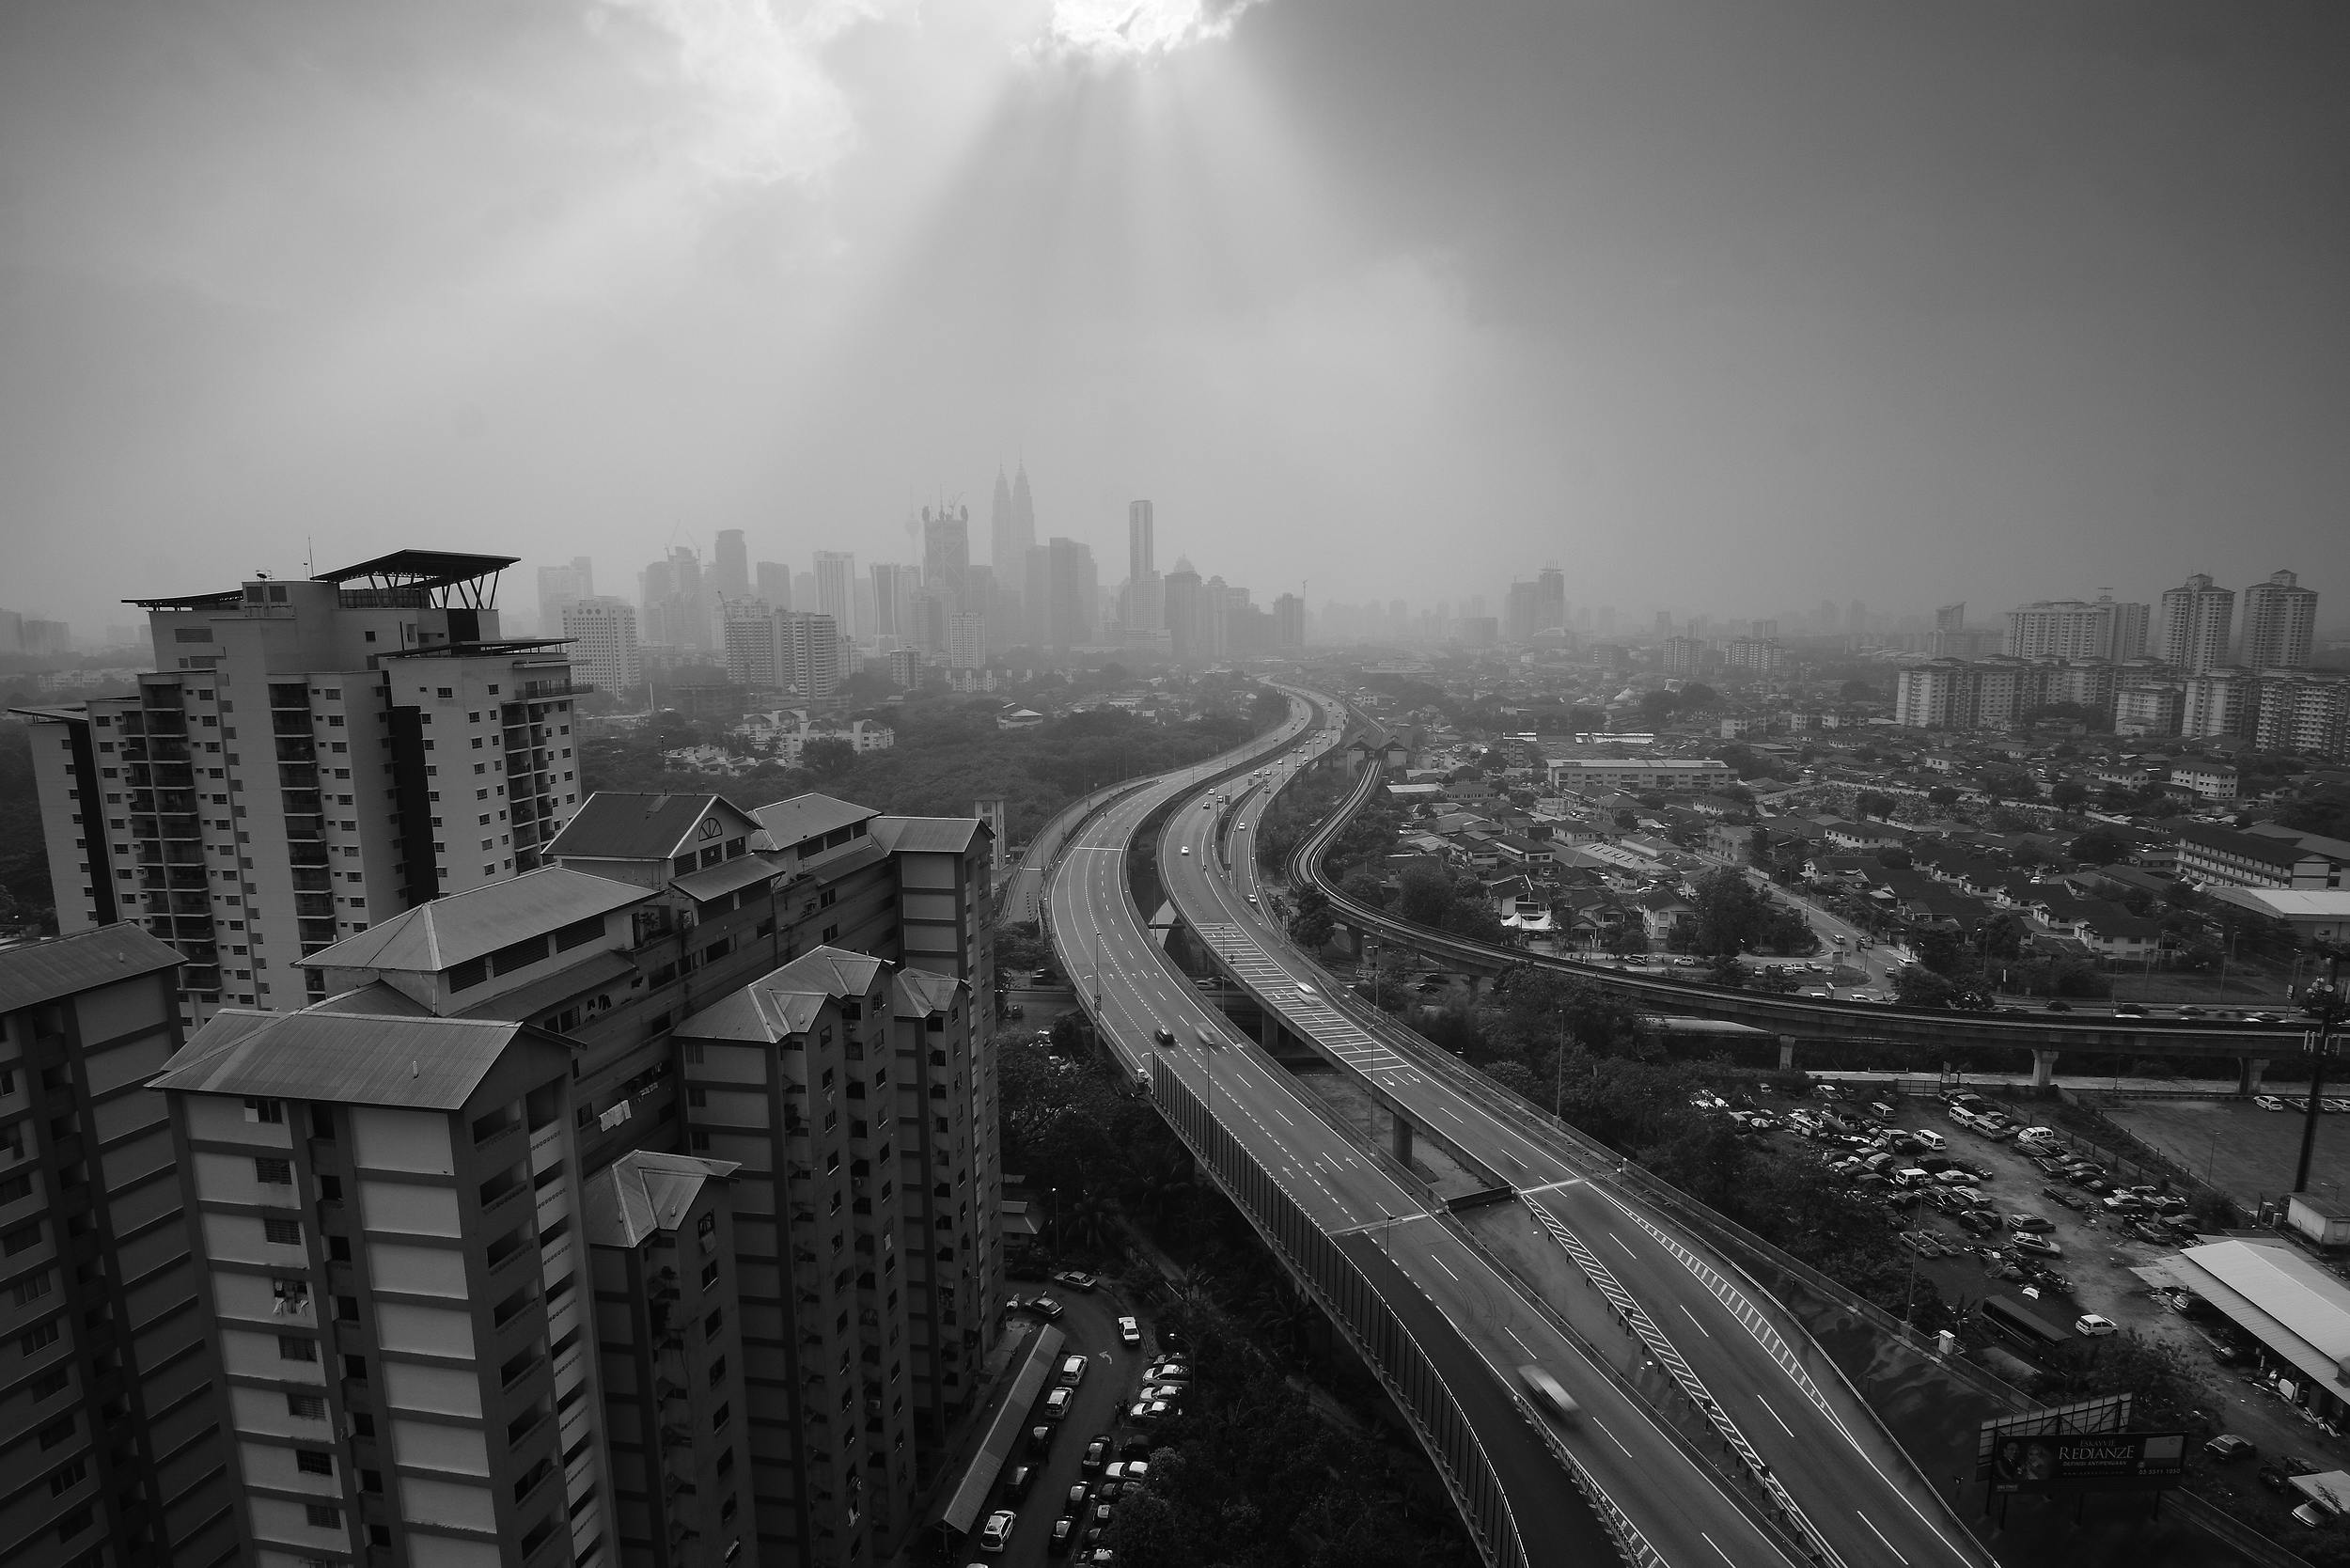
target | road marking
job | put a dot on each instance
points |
(1717, 1545)
(1446, 1267)
(1619, 1241)
(1618, 1442)
(1693, 1318)
(1880, 1535)
(1775, 1416)
(1514, 1334)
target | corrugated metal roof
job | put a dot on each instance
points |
(43, 971)
(725, 877)
(432, 936)
(358, 1058)
(644, 1191)
(803, 817)
(2283, 1299)
(920, 993)
(617, 825)
(978, 1483)
(591, 973)
(374, 998)
(927, 834)
(786, 1000)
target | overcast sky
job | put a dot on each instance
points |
(1722, 305)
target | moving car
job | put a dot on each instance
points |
(1549, 1393)
(1129, 1331)
(2095, 1326)
(1046, 1308)
(1097, 1454)
(1074, 1280)
(996, 1533)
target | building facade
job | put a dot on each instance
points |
(604, 652)
(2194, 624)
(2280, 622)
(314, 756)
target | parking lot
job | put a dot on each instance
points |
(1096, 1408)
(2248, 1152)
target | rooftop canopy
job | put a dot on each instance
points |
(474, 577)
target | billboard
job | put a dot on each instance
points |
(2097, 1461)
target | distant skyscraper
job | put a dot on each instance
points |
(1012, 527)
(807, 653)
(1289, 622)
(803, 590)
(677, 608)
(966, 640)
(2063, 629)
(1550, 600)
(1181, 604)
(836, 589)
(946, 551)
(1521, 612)
(1950, 618)
(603, 649)
(1830, 617)
(732, 566)
(559, 586)
(1855, 617)
(894, 588)
(2280, 622)
(1070, 593)
(2194, 624)
(1144, 611)
(752, 659)
(774, 584)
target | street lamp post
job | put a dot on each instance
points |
(1097, 974)
(2324, 1001)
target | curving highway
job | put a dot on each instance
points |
(1596, 1254)
(1664, 1497)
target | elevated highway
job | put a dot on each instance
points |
(1565, 1233)
(1798, 1019)
(1406, 1282)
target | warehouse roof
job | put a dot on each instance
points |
(2296, 1308)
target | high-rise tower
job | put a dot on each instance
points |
(946, 552)
(732, 568)
(1012, 527)
(1144, 612)
(2280, 622)
(2194, 624)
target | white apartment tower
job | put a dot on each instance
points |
(2194, 624)
(836, 589)
(2280, 622)
(807, 653)
(602, 635)
(310, 756)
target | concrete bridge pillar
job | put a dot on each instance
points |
(1350, 941)
(1787, 1052)
(1400, 1139)
(2043, 1069)
(2248, 1074)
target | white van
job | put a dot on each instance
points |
(1931, 1139)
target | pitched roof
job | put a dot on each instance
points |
(935, 835)
(358, 1058)
(617, 825)
(713, 882)
(784, 1002)
(644, 1191)
(43, 971)
(793, 821)
(432, 936)
(919, 993)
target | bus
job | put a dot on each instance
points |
(2023, 1326)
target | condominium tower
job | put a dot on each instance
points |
(2280, 622)
(2193, 624)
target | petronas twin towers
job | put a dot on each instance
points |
(1012, 532)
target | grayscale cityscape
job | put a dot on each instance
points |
(1174, 783)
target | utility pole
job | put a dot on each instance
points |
(2324, 1001)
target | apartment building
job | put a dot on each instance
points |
(111, 1437)
(2223, 856)
(670, 929)
(604, 650)
(387, 1221)
(1606, 773)
(309, 759)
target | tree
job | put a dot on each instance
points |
(1426, 894)
(2068, 794)
(1311, 926)
(1873, 803)
(1942, 796)
(2099, 846)
(827, 757)
(1696, 694)
(1917, 986)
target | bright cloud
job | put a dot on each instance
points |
(1113, 27)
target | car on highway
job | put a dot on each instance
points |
(2095, 1326)
(996, 1533)
(1550, 1392)
(1305, 990)
(1129, 1331)
(1074, 1280)
(1184, 849)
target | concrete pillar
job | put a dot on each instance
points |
(2043, 1069)
(2248, 1074)
(1269, 1033)
(1400, 1139)
(1787, 1052)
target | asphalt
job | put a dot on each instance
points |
(1850, 1479)
(1472, 1321)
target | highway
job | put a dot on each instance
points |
(1863, 1500)
(1675, 1507)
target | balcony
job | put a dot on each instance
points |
(303, 803)
(182, 827)
(304, 829)
(292, 775)
(299, 748)
(312, 878)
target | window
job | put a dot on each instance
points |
(51, 1384)
(710, 1275)
(281, 1233)
(265, 1110)
(22, 1239)
(275, 1173)
(719, 1417)
(57, 1432)
(38, 1338)
(323, 1516)
(68, 1476)
(310, 1407)
(314, 1462)
(33, 1288)
(297, 1347)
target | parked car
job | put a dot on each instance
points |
(1017, 1484)
(2038, 1245)
(1064, 1535)
(1149, 1412)
(2095, 1326)
(1074, 1280)
(1078, 1496)
(2027, 1225)
(1097, 1454)
(1046, 1306)
(996, 1533)
(1056, 1403)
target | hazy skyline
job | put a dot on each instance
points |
(1722, 309)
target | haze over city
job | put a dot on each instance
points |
(1722, 310)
